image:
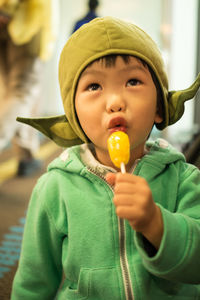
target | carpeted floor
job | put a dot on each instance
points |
(14, 198)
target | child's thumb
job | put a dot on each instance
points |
(110, 178)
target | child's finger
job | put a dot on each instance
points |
(127, 177)
(124, 200)
(127, 212)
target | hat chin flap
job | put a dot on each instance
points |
(176, 100)
(56, 128)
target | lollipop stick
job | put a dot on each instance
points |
(123, 169)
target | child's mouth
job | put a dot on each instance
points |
(117, 124)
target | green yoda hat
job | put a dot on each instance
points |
(101, 37)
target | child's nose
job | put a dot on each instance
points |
(115, 103)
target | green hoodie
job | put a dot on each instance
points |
(72, 234)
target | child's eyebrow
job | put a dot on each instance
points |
(134, 68)
(91, 72)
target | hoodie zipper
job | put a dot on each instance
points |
(124, 261)
(122, 246)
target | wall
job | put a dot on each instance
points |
(183, 60)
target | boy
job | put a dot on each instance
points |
(112, 235)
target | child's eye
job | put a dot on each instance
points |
(133, 82)
(93, 87)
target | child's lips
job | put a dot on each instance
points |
(117, 128)
(117, 124)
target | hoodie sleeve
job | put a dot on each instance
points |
(40, 271)
(178, 257)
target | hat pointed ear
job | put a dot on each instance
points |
(56, 128)
(176, 100)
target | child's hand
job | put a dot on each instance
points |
(134, 202)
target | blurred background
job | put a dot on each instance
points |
(175, 27)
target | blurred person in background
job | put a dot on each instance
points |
(27, 36)
(91, 14)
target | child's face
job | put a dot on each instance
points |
(120, 97)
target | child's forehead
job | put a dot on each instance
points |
(112, 61)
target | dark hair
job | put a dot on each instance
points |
(110, 60)
(93, 4)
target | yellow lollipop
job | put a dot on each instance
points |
(119, 149)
